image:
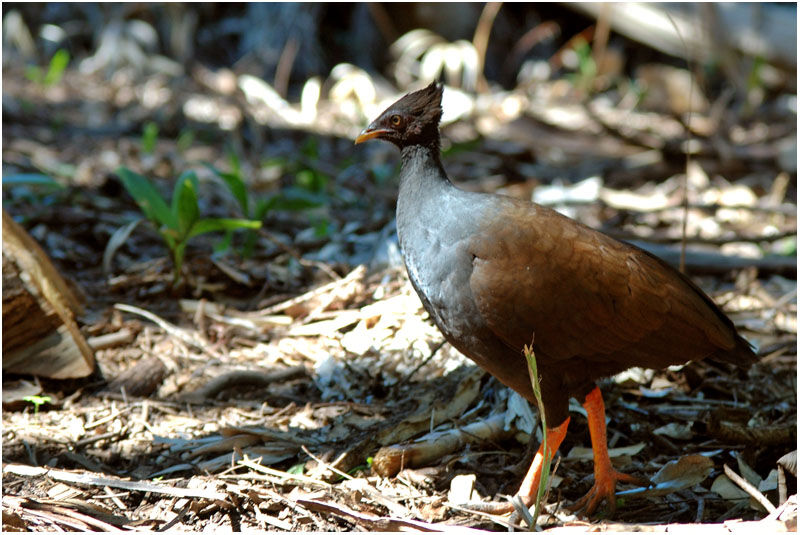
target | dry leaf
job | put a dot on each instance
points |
(675, 430)
(676, 475)
(462, 489)
(728, 489)
(579, 453)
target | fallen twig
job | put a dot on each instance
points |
(239, 377)
(377, 523)
(749, 489)
(435, 445)
(94, 481)
(174, 330)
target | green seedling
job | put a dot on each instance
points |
(32, 179)
(234, 179)
(180, 221)
(544, 481)
(362, 467)
(304, 195)
(587, 67)
(185, 139)
(37, 402)
(311, 180)
(322, 227)
(149, 137)
(32, 187)
(297, 469)
(55, 70)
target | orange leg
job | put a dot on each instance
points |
(605, 477)
(530, 485)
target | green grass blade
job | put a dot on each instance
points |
(544, 481)
(236, 186)
(184, 202)
(58, 64)
(147, 197)
(206, 225)
(149, 137)
(31, 179)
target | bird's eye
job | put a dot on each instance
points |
(396, 120)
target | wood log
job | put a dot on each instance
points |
(40, 336)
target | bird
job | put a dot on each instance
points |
(497, 274)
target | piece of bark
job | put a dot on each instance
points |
(140, 380)
(389, 460)
(40, 336)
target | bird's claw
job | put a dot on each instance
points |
(604, 488)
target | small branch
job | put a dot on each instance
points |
(239, 377)
(481, 39)
(749, 489)
(377, 523)
(94, 481)
(325, 465)
(433, 446)
(174, 330)
(383, 21)
(284, 477)
(284, 68)
(104, 341)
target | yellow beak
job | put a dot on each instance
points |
(370, 133)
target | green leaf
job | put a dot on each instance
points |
(149, 137)
(31, 179)
(177, 259)
(58, 63)
(311, 180)
(544, 483)
(297, 469)
(277, 162)
(233, 159)
(236, 186)
(37, 400)
(213, 224)
(322, 228)
(184, 202)
(249, 246)
(185, 140)
(34, 74)
(224, 245)
(292, 199)
(147, 197)
(310, 148)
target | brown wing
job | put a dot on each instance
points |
(586, 295)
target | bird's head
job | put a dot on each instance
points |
(412, 120)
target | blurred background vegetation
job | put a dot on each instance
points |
(262, 101)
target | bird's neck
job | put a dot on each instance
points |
(421, 167)
(424, 187)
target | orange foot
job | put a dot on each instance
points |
(605, 477)
(603, 489)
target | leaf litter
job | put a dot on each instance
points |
(306, 389)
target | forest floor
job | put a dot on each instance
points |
(270, 391)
